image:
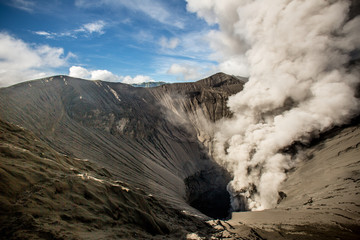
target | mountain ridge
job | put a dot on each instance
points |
(120, 127)
(157, 143)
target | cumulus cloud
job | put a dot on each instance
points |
(79, 72)
(297, 54)
(105, 75)
(137, 79)
(185, 72)
(21, 61)
(169, 43)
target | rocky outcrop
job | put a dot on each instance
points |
(198, 105)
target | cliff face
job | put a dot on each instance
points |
(198, 105)
(209, 96)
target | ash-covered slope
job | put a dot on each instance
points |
(128, 131)
(98, 139)
(48, 195)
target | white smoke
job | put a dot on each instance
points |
(299, 85)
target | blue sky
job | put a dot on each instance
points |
(114, 40)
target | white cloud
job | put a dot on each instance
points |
(51, 34)
(93, 27)
(169, 43)
(21, 61)
(79, 72)
(137, 79)
(185, 72)
(85, 30)
(105, 75)
(43, 33)
(52, 57)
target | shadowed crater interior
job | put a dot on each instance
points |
(206, 191)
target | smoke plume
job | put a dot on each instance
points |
(300, 84)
